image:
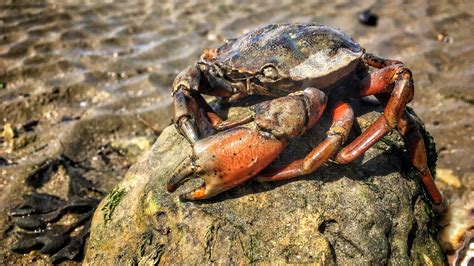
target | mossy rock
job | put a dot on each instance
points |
(368, 212)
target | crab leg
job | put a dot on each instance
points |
(409, 128)
(216, 122)
(402, 93)
(395, 116)
(379, 62)
(376, 84)
(342, 120)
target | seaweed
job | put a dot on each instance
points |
(113, 199)
(153, 256)
(36, 229)
(249, 251)
(36, 219)
(210, 239)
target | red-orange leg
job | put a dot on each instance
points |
(396, 78)
(379, 62)
(342, 119)
(215, 120)
(410, 129)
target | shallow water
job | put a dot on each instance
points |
(102, 64)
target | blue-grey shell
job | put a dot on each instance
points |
(299, 51)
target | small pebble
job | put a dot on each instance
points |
(67, 118)
(28, 126)
(367, 17)
(443, 37)
(448, 177)
(4, 162)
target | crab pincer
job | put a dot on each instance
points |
(232, 156)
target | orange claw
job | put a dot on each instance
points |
(228, 159)
(232, 156)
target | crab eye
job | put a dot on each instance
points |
(270, 72)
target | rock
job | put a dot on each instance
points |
(367, 212)
(133, 147)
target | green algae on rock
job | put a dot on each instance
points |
(113, 199)
(366, 212)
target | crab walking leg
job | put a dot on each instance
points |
(379, 83)
(216, 122)
(379, 62)
(402, 93)
(410, 129)
(224, 125)
(395, 116)
(214, 119)
(342, 120)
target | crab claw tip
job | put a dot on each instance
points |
(180, 175)
(174, 182)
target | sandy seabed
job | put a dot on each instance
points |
(85, 70)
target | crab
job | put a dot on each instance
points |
(325, 67)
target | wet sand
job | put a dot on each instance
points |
(86, 71)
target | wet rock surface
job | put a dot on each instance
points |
(367, 212)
